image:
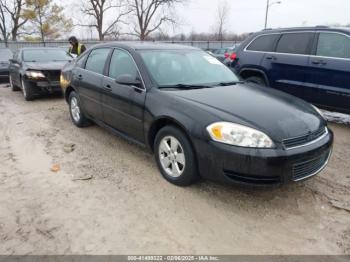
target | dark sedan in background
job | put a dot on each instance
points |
(37, 71)
(200, 121)
(5, 56)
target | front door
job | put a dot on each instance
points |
(123, 105)
(330, 82)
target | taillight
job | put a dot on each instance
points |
(233, 56)
(227, 55)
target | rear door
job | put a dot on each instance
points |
(122, 104)
(330, 82)
(289, 64)
(251, 57)
(91, 80)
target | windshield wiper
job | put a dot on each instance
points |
(229, 83)
(185, 86)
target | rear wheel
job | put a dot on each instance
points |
(76, 114)
(256, 80)
(12, 85)
(27, 90)
(175, 157)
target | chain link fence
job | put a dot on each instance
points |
(206, 45)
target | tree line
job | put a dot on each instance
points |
(42, 20)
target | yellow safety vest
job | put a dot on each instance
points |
(78, 50)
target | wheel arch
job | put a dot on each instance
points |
(67, 92)
(248, 72)
(161, 122)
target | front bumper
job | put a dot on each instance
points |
(4, 74)
(44, 86)
(230, 164)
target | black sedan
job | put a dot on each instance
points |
(5, 56)
(37, 71)
(199, 121)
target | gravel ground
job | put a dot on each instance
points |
(65, 190)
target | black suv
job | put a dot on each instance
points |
(312, 63)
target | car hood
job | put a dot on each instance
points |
(58, 65)
(279, 115)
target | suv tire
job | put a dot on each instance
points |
(256, 80)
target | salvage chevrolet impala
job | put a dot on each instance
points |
(195, 115)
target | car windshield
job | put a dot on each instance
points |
(186, 67)
(5, 54)
(45, 55)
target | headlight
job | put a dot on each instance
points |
(35, 74)
(238, 135)
(318, 111)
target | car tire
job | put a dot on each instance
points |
(77, 116)
(175, 157)
(27, 90)
(256, 80)
(13, 87)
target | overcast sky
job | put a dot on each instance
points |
(249, 15)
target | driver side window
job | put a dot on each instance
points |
(122, 64)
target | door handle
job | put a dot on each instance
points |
(319, 62)
(271, 57)
(80, 77)
(108, 88)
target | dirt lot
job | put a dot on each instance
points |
(108, 198)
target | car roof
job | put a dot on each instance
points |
(39, 48)
(147, 46)
(313, 28)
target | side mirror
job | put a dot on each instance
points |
(13, 61)
(128, 80)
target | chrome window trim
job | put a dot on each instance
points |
(314, 56)
(311, 142)
(138, 70)
(113, 48)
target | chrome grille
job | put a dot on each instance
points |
(310, 167)
(302, 140)
(53, 75)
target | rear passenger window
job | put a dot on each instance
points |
(295, 43)
(333, 45)
(97, 59)
(264, 43)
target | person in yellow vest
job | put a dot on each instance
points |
(76, 47)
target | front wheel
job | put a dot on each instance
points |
(27, 90)
(256, 80)
(12, 85)
(76, 114)
(175, 157)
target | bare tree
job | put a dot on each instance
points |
(47, 19)
(98, 11)
(222, 16)
(17, 14)
(151, 15)
(3, 24)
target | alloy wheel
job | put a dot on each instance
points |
(75, 110)
(172, 156)
(24, 90)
